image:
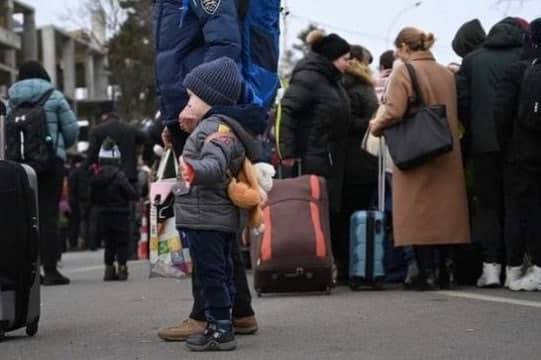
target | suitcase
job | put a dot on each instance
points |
(294, 254)
(367, 239)
(19, 246)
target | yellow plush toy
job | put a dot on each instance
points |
(249, 191)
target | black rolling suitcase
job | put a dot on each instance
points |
(19, 245)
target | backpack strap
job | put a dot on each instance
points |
(43, 98)
(244, 6)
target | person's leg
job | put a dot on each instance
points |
(515, 209)
(488, 230)
(210, 250)
(121, 240)
(242, 302)
(49, 191)
(425, 262)
(74, 225)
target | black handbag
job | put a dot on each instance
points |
(422, 135)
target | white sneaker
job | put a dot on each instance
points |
(490, 277)
(512, 274)
(530, 282)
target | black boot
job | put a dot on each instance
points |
(217, 336)
(446, 275)
(52, 277)
(426, 281)
(110, 273)
(123, 272)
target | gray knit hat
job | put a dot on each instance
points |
(217, 82)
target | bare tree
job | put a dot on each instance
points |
(507, 4)
(109, 13)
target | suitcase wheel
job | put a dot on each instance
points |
(32, 329)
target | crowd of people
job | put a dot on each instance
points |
(485, 191)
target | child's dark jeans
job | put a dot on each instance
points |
(213, 269)
(116, 235)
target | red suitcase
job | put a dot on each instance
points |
(294, 254)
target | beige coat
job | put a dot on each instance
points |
(429, 202)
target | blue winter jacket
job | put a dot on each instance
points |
(189, 33)
(57, 109)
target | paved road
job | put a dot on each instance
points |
(91, 319)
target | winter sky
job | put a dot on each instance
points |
(367, 22)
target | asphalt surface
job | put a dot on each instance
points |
(90, 319)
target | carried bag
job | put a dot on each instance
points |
(169, 248)
(422, 135)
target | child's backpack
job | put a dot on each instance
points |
(529, 111)
(27, 135)
(260, 47)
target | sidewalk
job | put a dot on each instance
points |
(91, 319)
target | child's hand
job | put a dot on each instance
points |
(186, 171)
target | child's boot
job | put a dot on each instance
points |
(110, 273)
(123, 273)
(218, 336)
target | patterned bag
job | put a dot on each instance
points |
(169, 248)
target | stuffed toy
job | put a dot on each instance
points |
(249, 191)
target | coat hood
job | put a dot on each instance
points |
(505, 34)
(469, 37)
(28, 90)
(252, 117)
(320, 64)
(358, 72)
(105, 175)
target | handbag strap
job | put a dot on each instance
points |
(418, 95)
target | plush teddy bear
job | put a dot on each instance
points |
(249, 191)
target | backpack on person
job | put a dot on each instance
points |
(27, 135)
(260, 28)
(529, 111)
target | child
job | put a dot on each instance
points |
(111, 193)
(214, 152)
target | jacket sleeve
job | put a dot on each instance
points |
(217, 151)
(506, 105)
(298, 97)
(221, 30)
(93, 148)
(67, 121)
(128, 191)
(364, 104)
(396, 98)
(464, 95)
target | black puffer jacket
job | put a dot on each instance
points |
(477, 80)
(521, 147)
(111, 190)
(361, 167)
(315, 122)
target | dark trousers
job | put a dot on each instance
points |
(74, 224)
(355, 197)
(489, 220)
(522, 216)
(49, 191)
(116, 235)
(213, 272)
(242, 304)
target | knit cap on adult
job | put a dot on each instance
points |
(330, 46)
(217, 82)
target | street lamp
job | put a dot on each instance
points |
(397, 17)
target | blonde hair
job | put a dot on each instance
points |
(314, 37)
(415, 39)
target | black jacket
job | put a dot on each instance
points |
(127, 137)
(111, 190)
(361, 167)
(315, 122)
(520, 146)
(477, 80)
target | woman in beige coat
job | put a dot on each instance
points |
(429, 201)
